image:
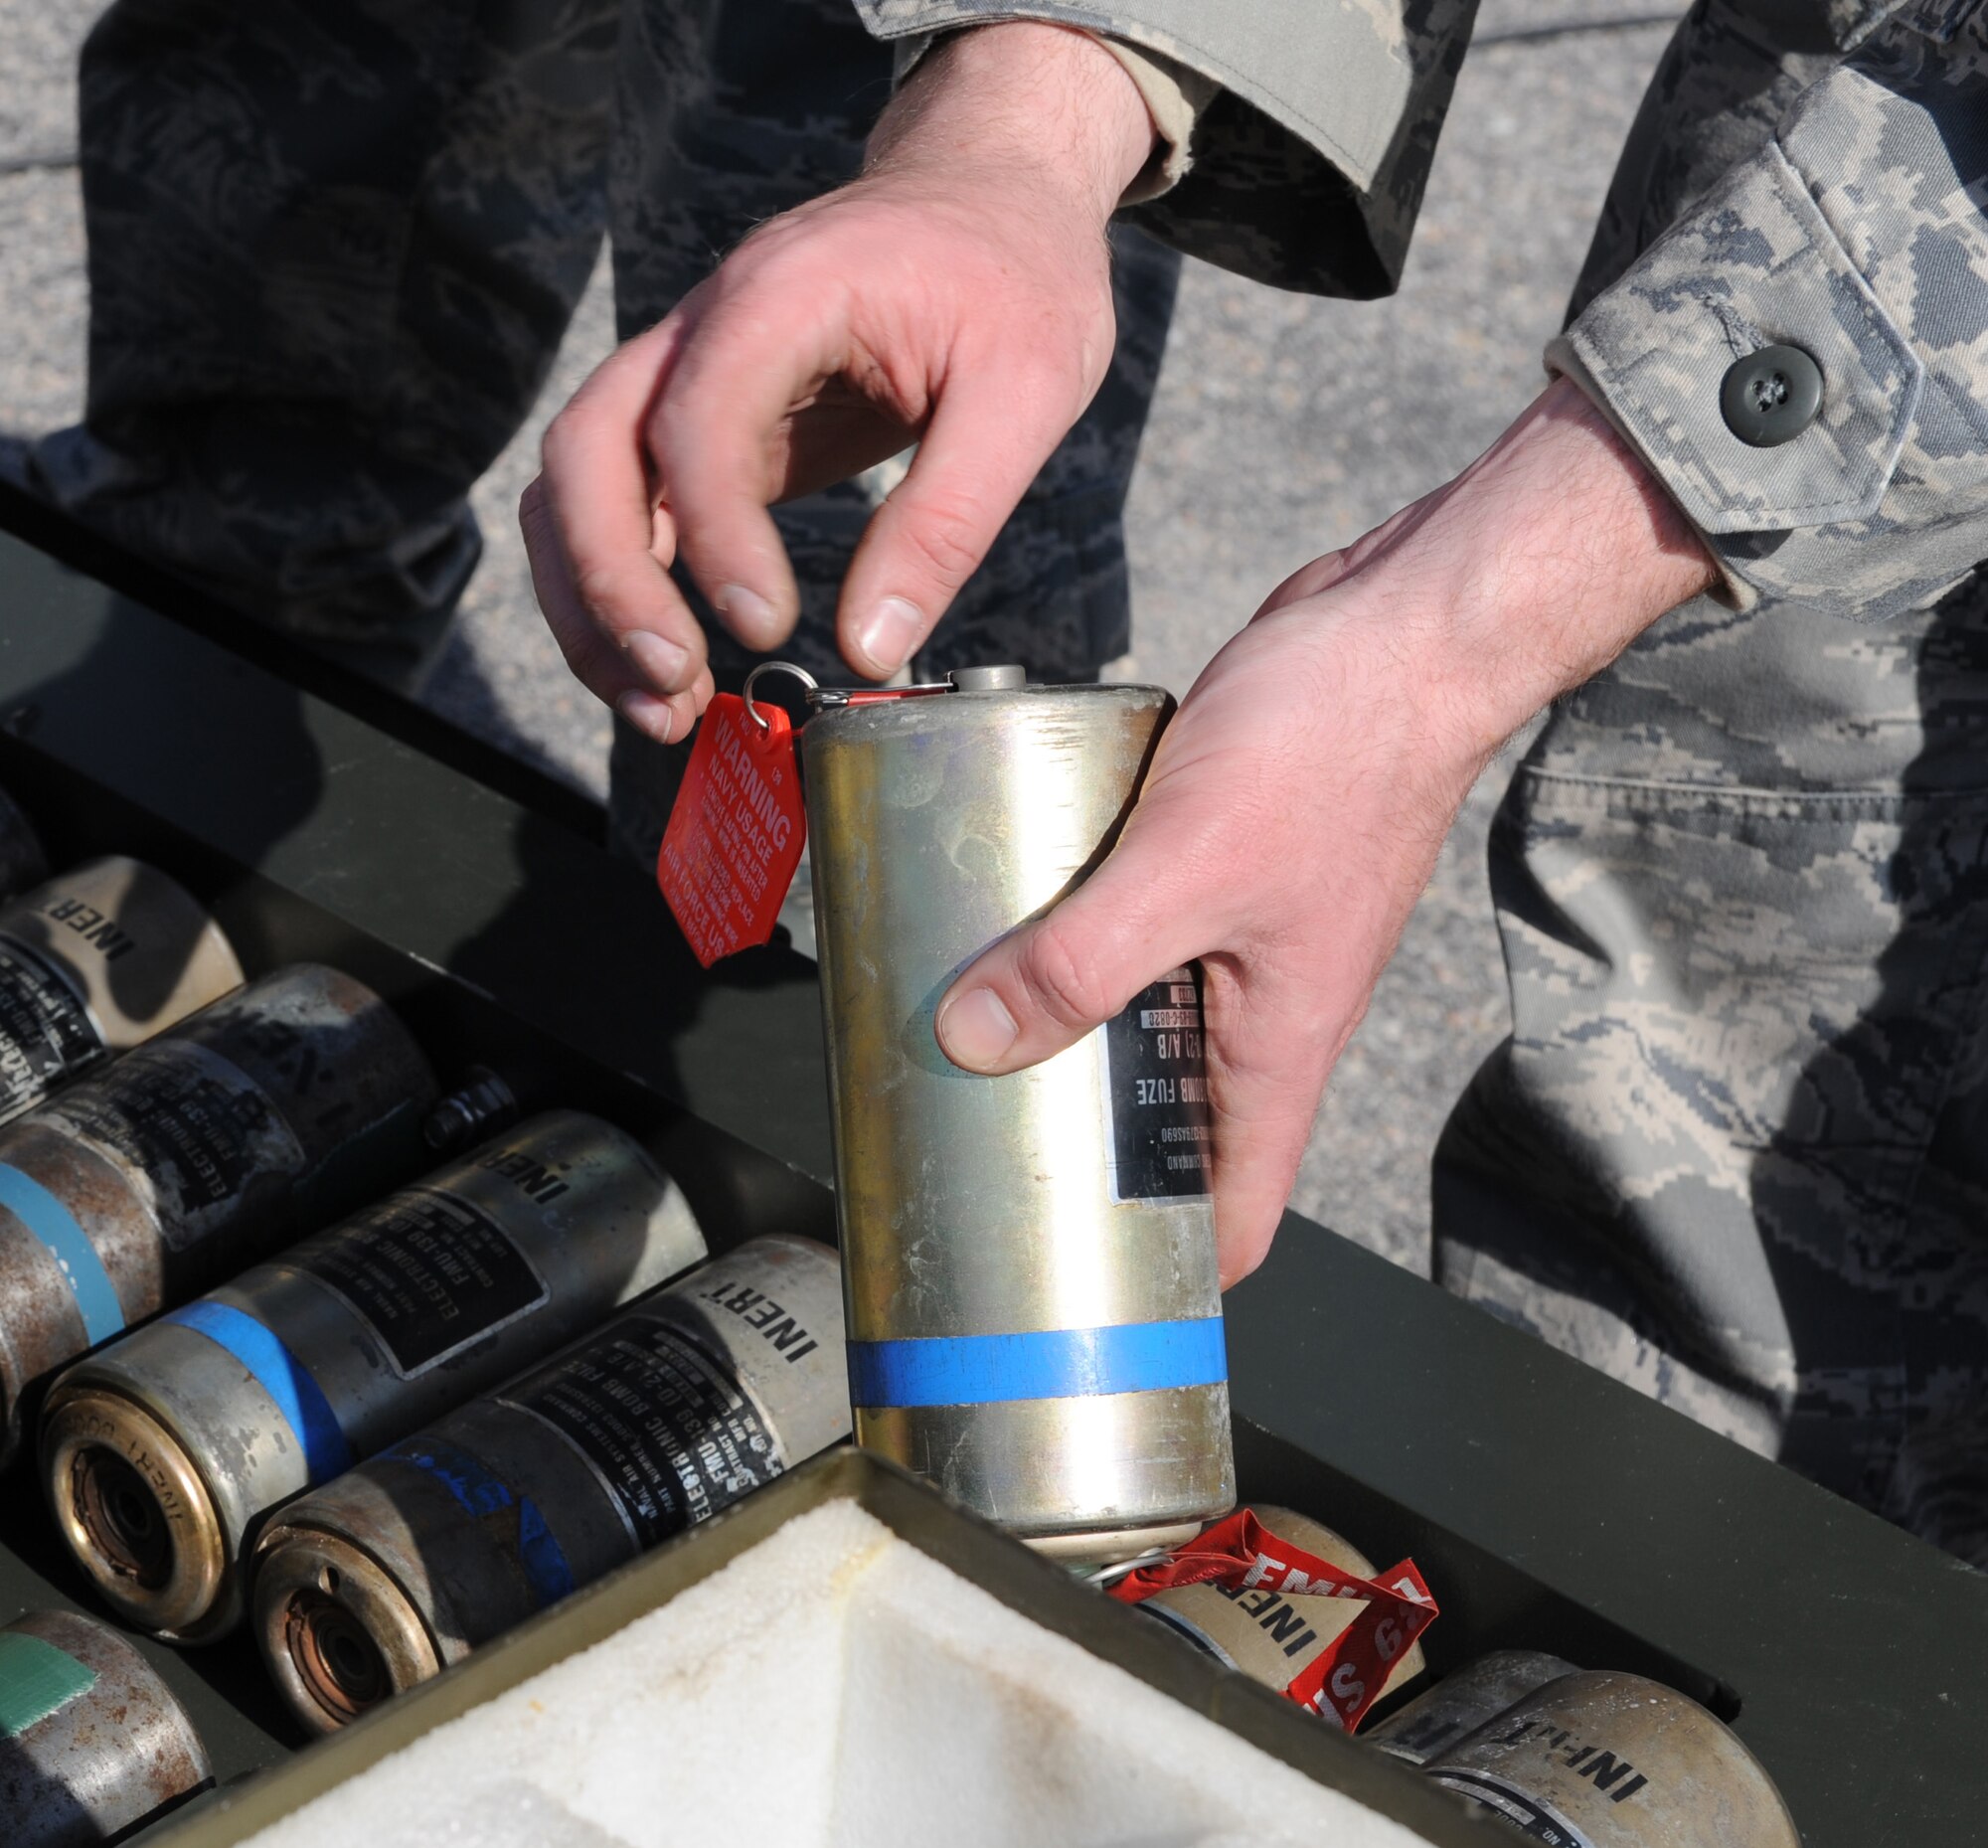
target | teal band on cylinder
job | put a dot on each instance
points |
(69, 1244)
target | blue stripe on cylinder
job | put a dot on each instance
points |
(1053, 1363)
(279, 1373)
(480, 1495)
(69, 1244)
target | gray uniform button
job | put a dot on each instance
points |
(1770, 397)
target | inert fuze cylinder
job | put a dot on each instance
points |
(94, 962)
(686, 1401)
(1611, 1761)
(91, 1740)
(1272, 1637)
(1035, 1320)
(245, 1126)
(289, 1374)
(1461, 1702)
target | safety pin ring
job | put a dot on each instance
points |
(774, 667)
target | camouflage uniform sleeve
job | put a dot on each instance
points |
(1310, 158)
(1175, 99)
(1857, 232)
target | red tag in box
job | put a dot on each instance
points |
(1344, 1681)
(735, 831)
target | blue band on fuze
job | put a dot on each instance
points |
(1053, 1363)
(69, 1244)
(279, 1373)
(481, 1495)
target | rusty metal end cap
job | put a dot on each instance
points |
(337, 1632)
(137, 1515)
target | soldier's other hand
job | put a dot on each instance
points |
(1296, 805)
(957, 296)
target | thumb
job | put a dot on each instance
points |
(1264, 1080)
(1045, 985)
(983, 448)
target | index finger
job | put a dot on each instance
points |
(599, 496)
(718, 429)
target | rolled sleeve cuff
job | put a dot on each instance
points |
(1311, 144)
(1756, 265)
(1174, 95)
(1331, 74)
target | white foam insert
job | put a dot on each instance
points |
(833, 1685)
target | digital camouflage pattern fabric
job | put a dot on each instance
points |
(1853, 228)
(1736, 1150)
(333, 248)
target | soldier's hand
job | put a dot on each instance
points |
(1296, 805)
(958, 296)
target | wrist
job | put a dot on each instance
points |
(1535, 567)
(1043, 107)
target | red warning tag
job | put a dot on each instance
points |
(736, 833)
(1344, 1680)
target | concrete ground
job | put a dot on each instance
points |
(1283, 426)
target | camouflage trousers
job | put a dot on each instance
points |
(333, 248)
(1736, 1150)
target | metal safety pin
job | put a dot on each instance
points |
(820, 698)
(1110, 1575)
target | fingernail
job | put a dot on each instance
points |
(889, 633)
(647, 714)
(748, 615)
(975, 1029)
(658, 658)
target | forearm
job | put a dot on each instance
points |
(1527, 574)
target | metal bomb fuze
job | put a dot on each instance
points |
(91, 1740)
(679, 1405)
(289, 1374)
(247, 1125)
(1612, 1761)
(1034, 1320)
(1461, 1701)
(94, 963)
